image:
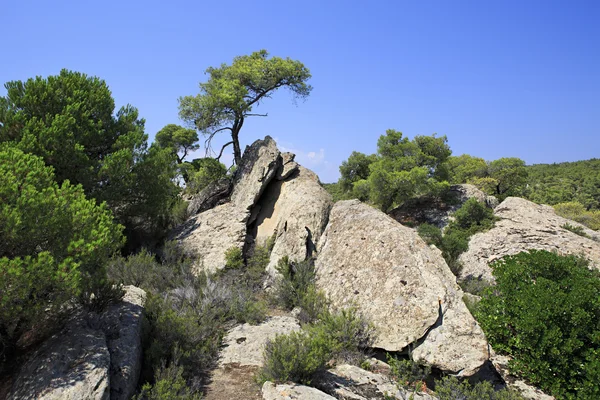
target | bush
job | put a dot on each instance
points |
(170, 385)
(234, 259)
(450, 388)
(578, 213)
(431, 234)
(408, 373)
(53, 243)
(578, 230)
(544, 312)
(474, 286)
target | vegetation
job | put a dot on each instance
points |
(471, 218)
(543, 312)
(409, 373)
(577, 212)
(232, 92)
(451, 388)
(55, 243)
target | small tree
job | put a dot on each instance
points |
(232, 92)
(179, 139)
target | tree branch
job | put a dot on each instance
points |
(256, 115)
(223, 148)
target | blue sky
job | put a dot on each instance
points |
(499, 78)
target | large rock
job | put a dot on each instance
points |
(72, 365)
(211, 233)
(351, 382)
(524, 226)
(245, 344)
(272, 391)
(295, 211)
(368, 260)
(96, 356)
(122, 324)
(436, 211)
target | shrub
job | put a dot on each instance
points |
(578, 230)
(170, 385)
(408, 373)
(450, 388)
(544, 312)
(295, 280)
(454, 243)
(234, 259)
(178, 212)
(473, 216)
(578, 213)
(474, 286)
(431, 234)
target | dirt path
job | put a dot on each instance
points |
(233, 382)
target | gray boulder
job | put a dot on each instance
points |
(368, 260)
(245, 344)
(211, 196)
(351, 382)
(295, 211)
(271, 391)
(72, 365)
(524, 226)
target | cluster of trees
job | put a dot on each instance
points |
(403, 169)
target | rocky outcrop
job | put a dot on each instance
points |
(524, 225)
(368, 260)
(295, 211)
(245, 344)
(351, 382)
(93, 357)
(512, 382)
(271, 196)
(214, 194)
(271, 391)
(122, 325)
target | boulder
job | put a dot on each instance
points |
(436, 211)
(295, 211)
(523, 226)
(245, 344)
(272, 391)
(209, 234)
(211, 196)
(368, 260)
(122, 324)
(288, 166)
(351, 382)
(73, 364)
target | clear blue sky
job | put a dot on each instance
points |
(499, 78)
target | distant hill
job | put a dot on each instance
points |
(569, 181)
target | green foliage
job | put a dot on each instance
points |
(298, 356)
(178, 139)
(431, 234)
(232, 91)
(355, 169)
(54, 242)
(234, 259)
(577, 212)
(450, 388)
(510, 174)
(474, 286)
(401, 169)
(69, 121)
(464, 168)
(566, 182)
(408, 373)
(578, 230)
(544, 312)
(170, 385)
(202, 172)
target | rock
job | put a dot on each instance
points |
(212, 195)
(288, 167)
(210, 234)
(438, 212)
(512, 382)
(524, 226)
(271, 391)
(260, 163)
(73, 364)
(368, 260)
(296, 212)
(122, 324)
(245, 344)
(351, 382)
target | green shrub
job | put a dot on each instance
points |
(450, 388)
(578, 213)
(349, 331)
(473, 216)
(454, 243)
(474, 286)
(545, 313)
(296, 278)
(408, 373)
(234, 259)
(431, 234)
(295, 357)
(201, 172)
(313, 304)
(578, 230)
(178, 212)
(170, 385)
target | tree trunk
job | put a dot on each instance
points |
(237, 153)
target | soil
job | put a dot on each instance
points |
(233, 382)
